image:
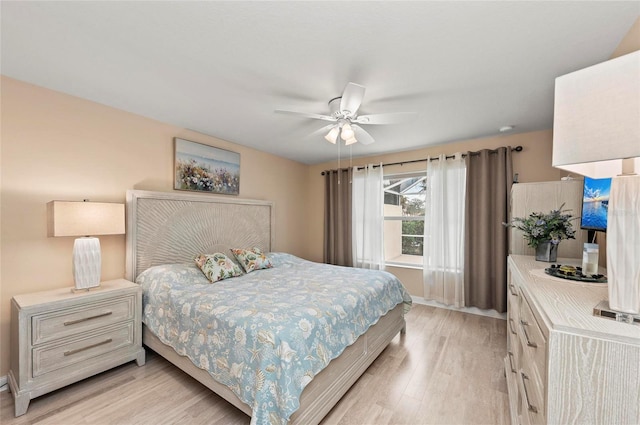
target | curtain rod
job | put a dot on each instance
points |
(516, 149)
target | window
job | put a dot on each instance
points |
(404, 198)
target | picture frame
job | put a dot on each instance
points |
(203, 168)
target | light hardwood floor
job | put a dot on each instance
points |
(447, 369)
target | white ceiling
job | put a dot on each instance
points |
(221, 68)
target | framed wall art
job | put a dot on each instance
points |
(204, 168)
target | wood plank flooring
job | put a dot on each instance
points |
(447, 369)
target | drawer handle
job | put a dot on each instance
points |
(511, 327)
(526, 336)
(510, 354)
(512, 289)
(73, 322)
(531, 407)
(78, 350)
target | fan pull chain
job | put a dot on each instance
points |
(351, 162)
(339, 171)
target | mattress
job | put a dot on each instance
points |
(266, 334)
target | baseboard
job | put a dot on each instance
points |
(3, 383)
(471, 310)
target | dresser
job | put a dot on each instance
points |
(563, 364)
(59, 337)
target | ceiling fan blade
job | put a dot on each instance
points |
(391, 118)
(351, 99)
(361, 135)
(306, 115)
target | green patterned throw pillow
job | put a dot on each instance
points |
(217, 266)
(252, 259)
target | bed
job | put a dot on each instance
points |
(165, 231)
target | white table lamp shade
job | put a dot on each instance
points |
(596, 120)
(85, 219)
(596, 133)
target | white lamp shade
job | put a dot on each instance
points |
(350, 141)
(347, 132)
(332, 135)
(597, 118)
(66, 218)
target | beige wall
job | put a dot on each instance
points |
(59, 147)
(532, 164)
(56, 146)
(630, 42)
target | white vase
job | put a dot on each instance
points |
(86, 263)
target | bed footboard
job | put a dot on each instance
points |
(326, 388)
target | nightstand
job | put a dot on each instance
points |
(59, 337)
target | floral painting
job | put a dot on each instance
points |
(203, 168)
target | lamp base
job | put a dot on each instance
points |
(623, 244)
(603, 310)
(75, 290)
(86, 263)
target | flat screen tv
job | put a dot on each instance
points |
(595, 204)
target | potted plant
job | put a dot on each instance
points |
(544, 232)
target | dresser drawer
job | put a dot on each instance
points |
(533, 341)
(50, 357)
(513, 297)
(514, 347)
(532, 409)
(68, 322)
(513, 323)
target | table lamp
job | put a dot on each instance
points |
(86, 219)
(596, 133)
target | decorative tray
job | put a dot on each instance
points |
(574, 273)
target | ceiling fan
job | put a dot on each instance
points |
(344, 113)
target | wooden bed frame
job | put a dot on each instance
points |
(172, 227)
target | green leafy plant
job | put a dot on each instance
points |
(538, 227)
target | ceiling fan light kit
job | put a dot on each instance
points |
(343, 110)
(332, 135)
(347, 133)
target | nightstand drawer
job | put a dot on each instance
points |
(51, 357)
(60, 324)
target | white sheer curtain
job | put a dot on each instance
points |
(444, 231)
(368, 217)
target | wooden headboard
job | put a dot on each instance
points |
(173, 227)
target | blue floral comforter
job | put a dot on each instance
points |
(266, 334)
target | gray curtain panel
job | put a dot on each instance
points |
(337, 218)
(489, 179)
